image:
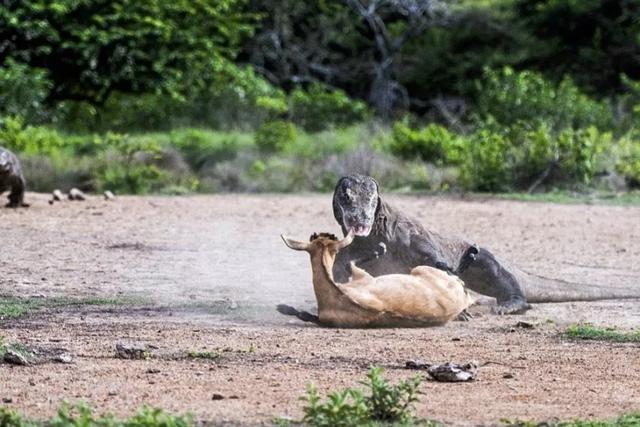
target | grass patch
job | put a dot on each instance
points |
(13, 307)
(82, 416)
(628, 420)
(380, 404)
(589, 332)
(207, 355)
(566, 197)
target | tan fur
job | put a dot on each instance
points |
(426, 297)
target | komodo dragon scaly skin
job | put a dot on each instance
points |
(357, 206)
(11, 178)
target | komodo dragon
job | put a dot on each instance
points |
(11, 178)
(357, 206)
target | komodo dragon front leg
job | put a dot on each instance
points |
(427, 253)
(382, 249)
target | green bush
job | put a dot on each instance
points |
(433, 143)
(318, 108)
(382, 402)
(201, 147)
(127, 164)
(517, 157)
(570, 156)
(628, 160)
(275, 135)
(30, 140)
(485, 163)
(22, 91)
(510, 96)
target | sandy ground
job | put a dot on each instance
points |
(208, 271)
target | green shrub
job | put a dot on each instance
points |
(275, 136)
(511, 96)
(433, 143)
(570, 156)
(485, 163)
(200, 147)
(381, 402)
(22, 91)
(127, 164)
(518, 157)
(30, 140)
(318, 108)
(628, 160)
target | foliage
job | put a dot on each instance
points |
(382, 402)
(202, 147)
(91, 48)
(519, 157)
(22, 91)
(387, 402)
(238, 98)
(595, 41)
(318, 108)
(81, 415)
(509, 96)
(18, 137)
(131, 170)
(627, 420)
(275, 135)
(589, 332)
(628, 162)
(433, 143)
(571, 156)
(485, 164)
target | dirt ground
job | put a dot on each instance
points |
(207, 272)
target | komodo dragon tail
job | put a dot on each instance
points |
(543, 289)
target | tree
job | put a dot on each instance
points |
(91, 48)
(392, 23)
(595, 41)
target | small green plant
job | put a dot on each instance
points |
(589, 332)
(275, 135)
(381, 402)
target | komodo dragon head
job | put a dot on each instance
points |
(355, 203)
(5, 161)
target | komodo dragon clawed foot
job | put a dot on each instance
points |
(511, 307)
(464, 316)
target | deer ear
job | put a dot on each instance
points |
(295, 244)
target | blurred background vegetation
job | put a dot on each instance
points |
(141, 96)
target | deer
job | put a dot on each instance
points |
(426, 297)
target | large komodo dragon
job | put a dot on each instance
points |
(358, 207)
(11, 178)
